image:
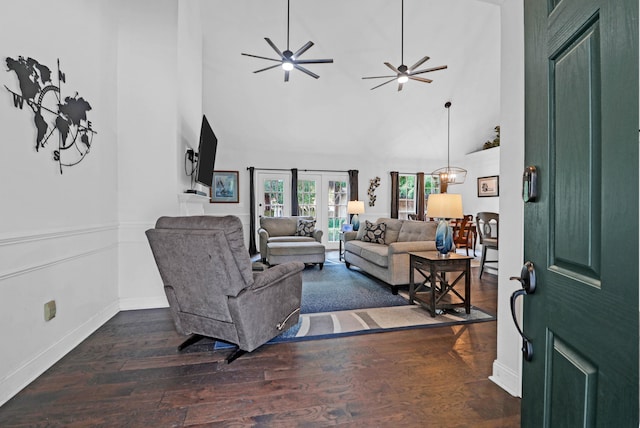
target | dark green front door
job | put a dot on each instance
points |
(581, 132)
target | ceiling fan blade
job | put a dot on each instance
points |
(267, 68)
(379, 77)
(418, 64)
(304, 70)
(302, 49)
(442, 67)
(312, 61)
(262, 57)
(388, 81)
(286, 75)
(420, 79)
(399, 87)
(395, 70)
(274, 47)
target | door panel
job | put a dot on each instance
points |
(575, 153)
(273, 195)
(581, 132)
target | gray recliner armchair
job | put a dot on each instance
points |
(211, 288)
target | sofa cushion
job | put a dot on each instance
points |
(291, 239)
(376, 254)
(374, 232)
(305, 227)
(393, 229)
(417, 231)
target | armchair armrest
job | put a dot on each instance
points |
(317, 235)
(350, 236)
(264, 238)
(275, 274)
(408, 246)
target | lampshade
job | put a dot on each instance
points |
(355, 207)
(444, 205)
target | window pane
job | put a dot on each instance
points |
(336, 209)
(307, 198)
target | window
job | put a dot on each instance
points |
(407, 200)
(273, 198)
(337, 209)
(307, 198)
(431, 185)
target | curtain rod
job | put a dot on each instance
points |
(302, 170)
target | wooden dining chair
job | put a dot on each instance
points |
(462, 234)
(487, 226)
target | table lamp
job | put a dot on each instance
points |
(355, 208)
(444, 206)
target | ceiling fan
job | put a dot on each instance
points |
(290, 60)
(403, 73)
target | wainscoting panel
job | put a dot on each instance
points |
(77, 268)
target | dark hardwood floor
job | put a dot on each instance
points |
(129, 373)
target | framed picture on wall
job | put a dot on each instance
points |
(488, 186)
(225, 187)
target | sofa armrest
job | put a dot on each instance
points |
(411, 246)
(264, 238)
(317, 235)
(275, 274)
(350, 236)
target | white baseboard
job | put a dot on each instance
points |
(33, 368)
(506, 379)
(134, 303)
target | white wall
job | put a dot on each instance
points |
(58, 234)
(148, 135)
(507, 367)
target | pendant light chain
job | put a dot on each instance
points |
(448, 134)
(402, 33)
(288, 7)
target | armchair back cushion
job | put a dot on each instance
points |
(211, 287)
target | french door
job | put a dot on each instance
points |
(322, 196)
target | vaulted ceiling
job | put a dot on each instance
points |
(339, 112)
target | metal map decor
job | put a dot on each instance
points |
(373, 184)
(52, 113)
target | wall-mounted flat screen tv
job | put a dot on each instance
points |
(206, 154)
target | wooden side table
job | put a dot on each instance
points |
(430, 292)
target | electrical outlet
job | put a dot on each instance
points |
(49, 310)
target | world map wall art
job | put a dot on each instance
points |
(56, 116)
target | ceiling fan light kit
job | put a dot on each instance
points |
(288, 59)
(403, 73)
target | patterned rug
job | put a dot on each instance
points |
(337, 301)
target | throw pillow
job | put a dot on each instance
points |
(305, 227)
(374, 232)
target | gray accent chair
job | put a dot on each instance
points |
(211, 287)
(282, 230)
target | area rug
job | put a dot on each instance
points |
(337, 301)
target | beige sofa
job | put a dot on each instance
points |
(390, 261)
(279, 242)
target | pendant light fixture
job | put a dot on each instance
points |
(450, 174)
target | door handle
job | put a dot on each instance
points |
(527, 279)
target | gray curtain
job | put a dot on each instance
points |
(353, 184)
(294, 191)
(395, 193)
(252, 213)
(420, 196)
